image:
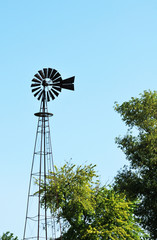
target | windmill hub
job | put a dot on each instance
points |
(45, 83)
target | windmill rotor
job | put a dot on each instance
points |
(48, 83)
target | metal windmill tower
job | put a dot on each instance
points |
(40, 223)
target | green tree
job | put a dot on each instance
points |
(8, 236)
(88, 211)
(139, 179)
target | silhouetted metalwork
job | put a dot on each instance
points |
(40, 222)
(51, 79)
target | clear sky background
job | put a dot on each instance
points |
(111, 48)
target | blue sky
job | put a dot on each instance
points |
(110, 47)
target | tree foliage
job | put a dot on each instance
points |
(88, 211)
(139, 180)
(8, 236)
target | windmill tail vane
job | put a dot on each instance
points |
(41, 222)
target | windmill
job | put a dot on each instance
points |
(40, 222)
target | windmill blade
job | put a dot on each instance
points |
(35, 85)
(40, 94)
(57, 80)
(57, 84)
(51, 95)
(41, 74)
(35, 89)
(69, 80)
(38, 76)
(48, 97)
(55, 92)
(37, 93)
(45, 72)
(35, 80)
(57, 88)
(68, 86)
(56, 76)
(54, 71)
(49, 72)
